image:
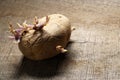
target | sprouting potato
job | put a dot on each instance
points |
(44, 39)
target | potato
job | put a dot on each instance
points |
(45, 39)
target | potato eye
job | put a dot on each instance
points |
(24, 32)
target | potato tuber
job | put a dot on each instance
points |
(45, 38)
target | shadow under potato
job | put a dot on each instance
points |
(44, 68)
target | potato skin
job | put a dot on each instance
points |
(39, 45)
